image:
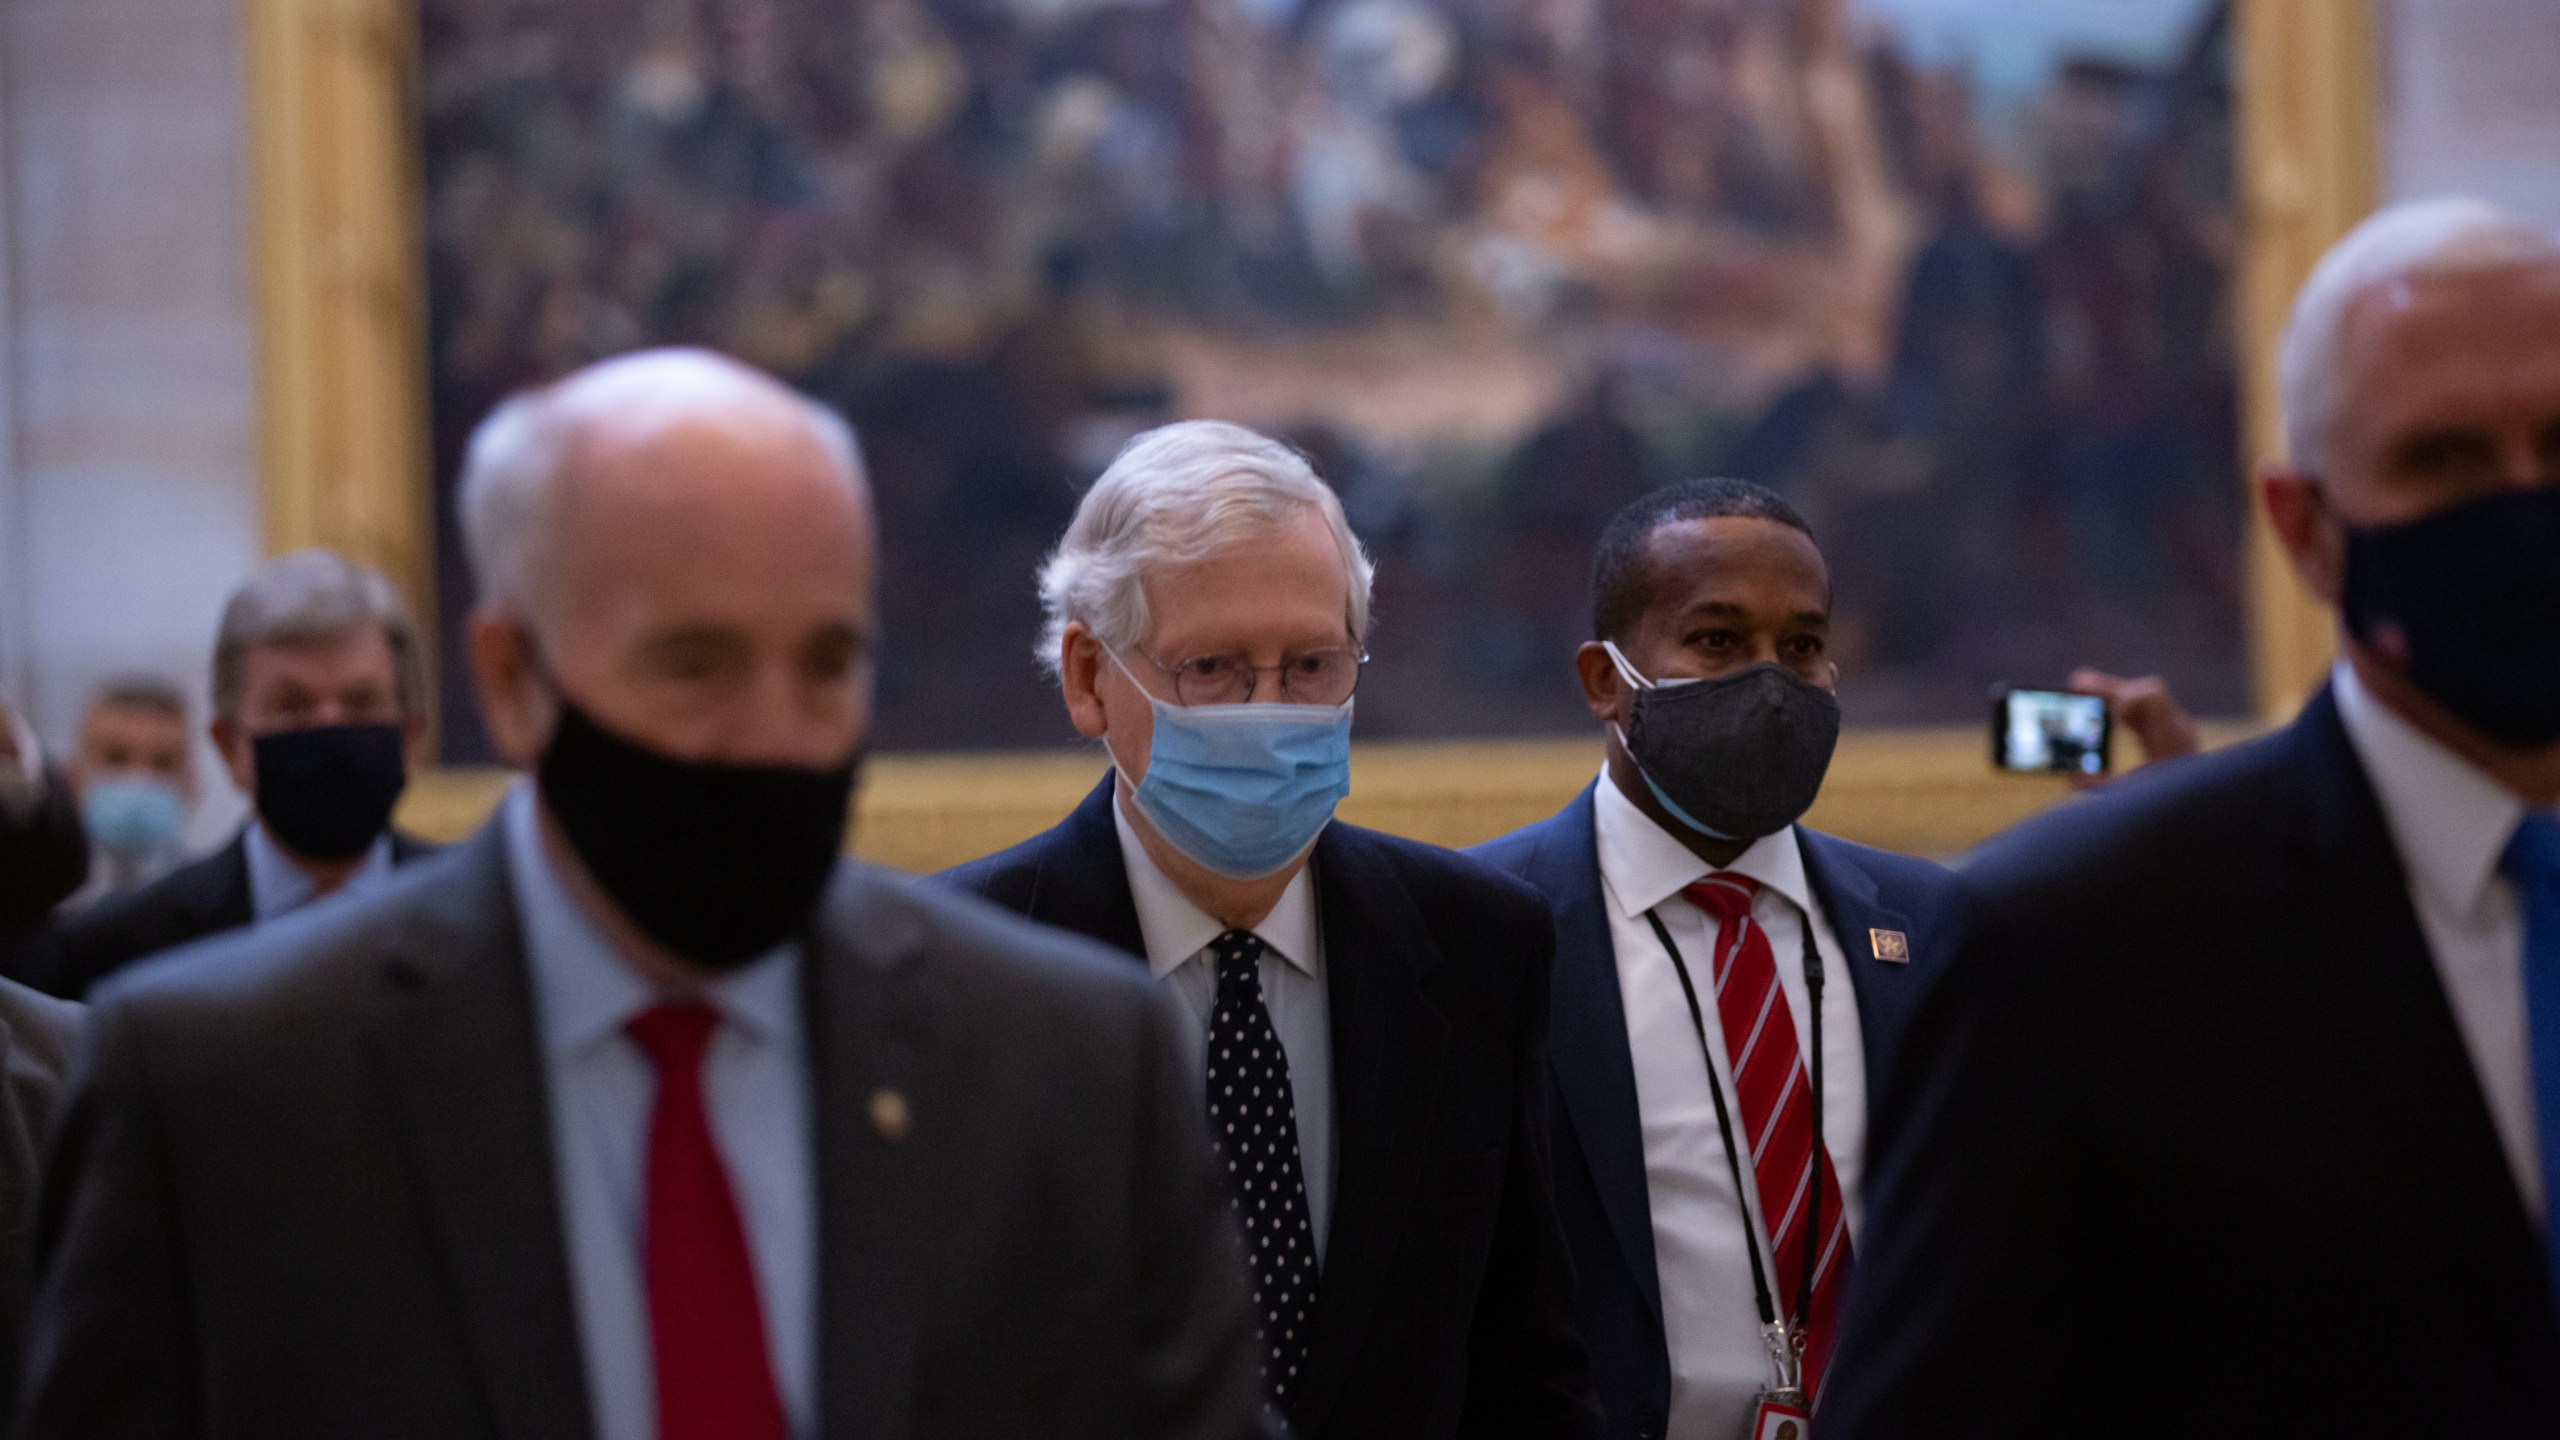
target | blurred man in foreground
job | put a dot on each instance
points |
(1365, 1013)
(1712, 1090)
(319, 695)
(44, 852)
(41, 860)
(642, 1114)
(2239, 1109)
(134, 774)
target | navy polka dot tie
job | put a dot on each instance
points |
(1255, 1123)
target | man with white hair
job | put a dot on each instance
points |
(319, 696)
(2238, 1111)
(1366, 1014)
(642, 1114)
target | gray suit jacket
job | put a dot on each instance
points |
(303, 1186)
(37, 1033)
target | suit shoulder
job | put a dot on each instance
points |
(2190, 815)
(120, 914)
(1000, 873)
(169, 911)
(1442, 879)
(1512, 852)
(976, 939)
(1895, 874)
(41, 1027)
(310, 956)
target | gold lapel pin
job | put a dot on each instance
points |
(891, 1115)
(1890, 946)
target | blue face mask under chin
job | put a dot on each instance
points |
(1244, 789)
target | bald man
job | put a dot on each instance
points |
(643, 1114)
(2237, 1111)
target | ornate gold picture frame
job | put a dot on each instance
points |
(343, 425)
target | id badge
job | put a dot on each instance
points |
(1781, 1418)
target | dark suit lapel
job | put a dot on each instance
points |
(19, 1157)
(1587, 1037)
(1389, 1042)
(1080, 882)
(459, 1054)
(874, 1115)
(225, 902)
(1886, 991)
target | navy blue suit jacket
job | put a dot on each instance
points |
(1598, 1147)
(1444, 1308)
(2188, 1142)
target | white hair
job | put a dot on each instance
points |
(1173, 496)
(2394, 245)
(512, 468)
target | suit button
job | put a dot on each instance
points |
(1648, 1425)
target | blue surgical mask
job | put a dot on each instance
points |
(135, 816)
(1244, 789)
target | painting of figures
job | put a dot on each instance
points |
(1952, 275)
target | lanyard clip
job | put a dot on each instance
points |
(1786, 1360)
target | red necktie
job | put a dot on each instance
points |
(715, 1381)
(1774, 1105)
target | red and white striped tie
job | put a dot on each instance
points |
(1774, 1105)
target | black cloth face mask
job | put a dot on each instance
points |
(2474, 592)
(1736, 757)
(326, 793)
(719, 863)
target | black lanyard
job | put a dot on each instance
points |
(1733, 1155)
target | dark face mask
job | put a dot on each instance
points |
(2474, 591)
(1733, 758)
(717, 862)
(326, 793)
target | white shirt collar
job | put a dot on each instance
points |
(585, 993)
(2449, 820)
(1642, 864)
(1175, 929)
(277, 886)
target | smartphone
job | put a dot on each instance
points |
(2048, 732)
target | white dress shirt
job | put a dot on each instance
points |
(1719, 1363)
(755, 1081)
(1178, 935)
(2451, 824)
(277, 886)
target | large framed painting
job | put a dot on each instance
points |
(1969, 281)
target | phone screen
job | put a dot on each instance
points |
(2049, 732)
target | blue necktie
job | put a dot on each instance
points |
(2532, 861)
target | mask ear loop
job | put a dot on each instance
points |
(1627, 673)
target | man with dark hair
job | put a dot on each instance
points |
(1712, 1090)
(319, 695)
